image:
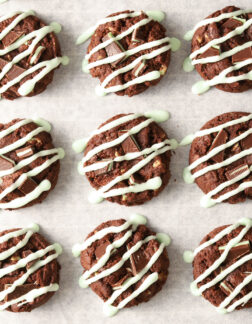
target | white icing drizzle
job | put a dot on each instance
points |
(45, 185)
(203, 86)
(152, 152)
(189, 256)
(173, 44)
(87, 278)
(35, 37)
(207, 200)
(31, 295)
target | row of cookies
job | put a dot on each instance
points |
(127, 159)
(125, 263)
(129, 52)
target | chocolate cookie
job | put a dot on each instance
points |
(124, 262)
(29, 54)
(221, 159)
(128, 52)
(29, 271)
(29, 163)
(127, 159)
(222, 267)
(222, 51)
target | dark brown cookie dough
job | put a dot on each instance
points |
(147, 33)
(205, 34)
(40, 142)
(43, 277)
(105, 287)
(206, 257)
(51, 50)
(202, 145)
(157, 167)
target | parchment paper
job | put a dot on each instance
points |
(73, 108)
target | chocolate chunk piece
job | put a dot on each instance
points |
(238, 251)
(240, 169)
(246, 144)
(106, 169)
(19, 291)
(119, 283)
(135, 179)
(232, 23)
(220, 139)
(101, 249)
(138, 260)
(2, 63)
(242, 55)
(31, 263)
(114, 48)
(15, 72)
(138, 35)
(5, 163)
(212, 51)
(25, 152)
(11, 37)
(139, 68)
(36, 55)
(226, 287)
(27, 186)
(130, 144)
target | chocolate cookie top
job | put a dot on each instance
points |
(222, 267)
(128, 52)
(29, 53)
(29, 163)
(124, 262)
(222, 51)
(221, 159)
(127, 159)
(29, 271)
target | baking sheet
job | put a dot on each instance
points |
(73, 108)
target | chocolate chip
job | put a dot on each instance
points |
(5, 163)
(31, 263)
(2, 63)
(130, 144)
(235, 172)
(220, 139)
(27, 186)
(12, 37)
(238, 251)
(139, 68)
(138, 35)
(232, 281)
(212, 51)
(135, 179)
(226, 287)
(106, 169)
(19, 291)
(25, 152)
(119, 283)
(138, 260)
(246, 144)
(232, 23)
(101, 249)
(38, 55)
(14, 72)
(114, 48)
(242, 55)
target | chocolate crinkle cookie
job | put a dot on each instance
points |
(221, 159)
(124, 262)
(29, 271)
(222, 267)
(29, 163)
(129, 52)
(222, 51)
(127, 159)
(29, 54)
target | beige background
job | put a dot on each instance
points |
(74, 110)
